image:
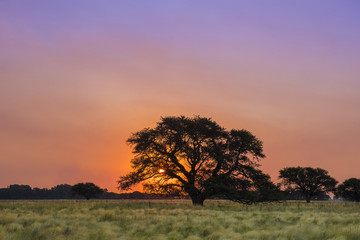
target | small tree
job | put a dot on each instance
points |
(349, 190)
(196, 156)
(88, 190)
(309, 181)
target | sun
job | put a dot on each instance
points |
(161, 171)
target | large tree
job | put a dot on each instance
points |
(349, 190)
(309, 181)
(197, 157)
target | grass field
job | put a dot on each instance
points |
(177, 219)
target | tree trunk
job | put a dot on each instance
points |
(308, 199)
(197, 200)
(196, 196)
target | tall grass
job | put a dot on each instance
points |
(177, 219)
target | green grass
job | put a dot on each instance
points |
(177, 219)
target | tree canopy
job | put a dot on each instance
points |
(197, 157)
(88, 190)
(349, 190)
(309, 181)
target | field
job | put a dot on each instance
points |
(177, 219)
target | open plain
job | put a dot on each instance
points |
(177, 219)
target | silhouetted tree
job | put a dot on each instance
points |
(196, 156)
(309, 181)
(297, 195)
(88, 190)
(62, 191)
(349, 190)
(20, 191)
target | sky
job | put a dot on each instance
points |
(77, 78)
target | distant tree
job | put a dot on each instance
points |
(62, 191)
(20, 191)
(349, 190)
(297, 195)
(309, 181)
(196, 156)
(17, 187)
(88, 190)
(39, 193)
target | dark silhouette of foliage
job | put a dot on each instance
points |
(16, 191)
(349, 190)
(88, 190)
(311, 182)
(196, 156)
(64, 191)
(297, 195)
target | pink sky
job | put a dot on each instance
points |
(77, 80)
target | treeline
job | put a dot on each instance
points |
(64, 191)
(298, 183)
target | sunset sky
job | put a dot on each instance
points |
(78, 77)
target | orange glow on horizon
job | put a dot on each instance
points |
(73, 93)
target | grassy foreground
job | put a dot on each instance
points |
(177, 219)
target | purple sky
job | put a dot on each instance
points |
(78, 77)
